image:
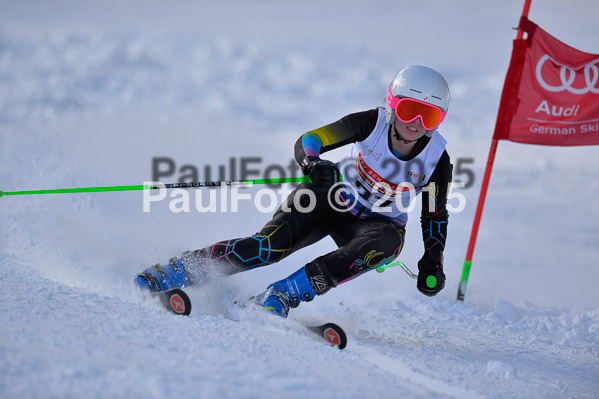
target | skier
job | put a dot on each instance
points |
(396, 153)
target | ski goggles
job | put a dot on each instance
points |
(408, 109)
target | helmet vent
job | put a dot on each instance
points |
(438, 98)
(417, 91)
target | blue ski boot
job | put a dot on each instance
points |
(279, 297)
(189, 269)
(163, 278)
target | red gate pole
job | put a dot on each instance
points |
(483, 194)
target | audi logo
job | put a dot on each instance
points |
(567, 76)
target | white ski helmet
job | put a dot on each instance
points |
(420, 83)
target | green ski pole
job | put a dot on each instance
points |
(431, 281)
(406, 269)
(159, 186)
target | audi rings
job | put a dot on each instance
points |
(568, 75)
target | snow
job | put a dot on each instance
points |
(91, 92)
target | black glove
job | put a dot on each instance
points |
(322, 172)
(431, 278)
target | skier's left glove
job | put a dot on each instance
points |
(431, 278)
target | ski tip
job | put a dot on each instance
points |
(331, 333)
(335, 335)
(176, 301)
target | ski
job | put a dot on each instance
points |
(330, 332)
(175, 301)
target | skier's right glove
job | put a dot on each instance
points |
(431, 278)
(322, 172)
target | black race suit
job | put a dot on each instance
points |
(363, 243)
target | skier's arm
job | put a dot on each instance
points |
(434, 219)
(349, 129)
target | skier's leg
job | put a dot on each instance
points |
(290, 229)
(303, 219)
(364, 244)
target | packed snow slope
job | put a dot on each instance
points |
(91, 93)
